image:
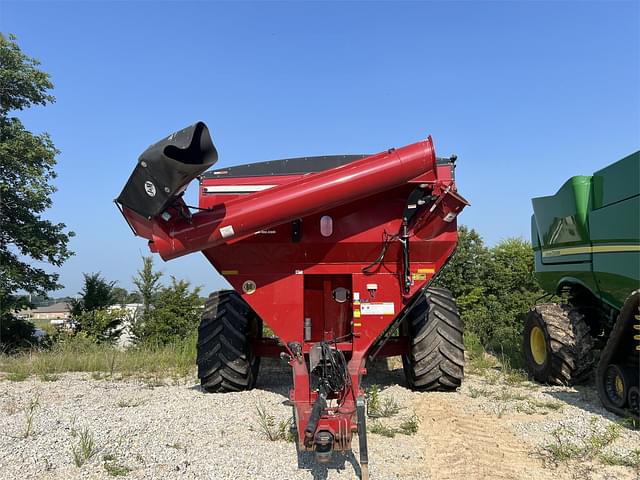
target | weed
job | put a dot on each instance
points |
(131, 402)
(377, 408)
(109, 457)
(388, 408)
(48, 377)
(373, 399)
(510, 396)
(592, 446)
(409, 426)
(546, 404)
(115, 469)
(562, 450)
(379, 428)
(17, 376)
(30, 411)
(631, 459)
(630, 422)
(85, 449)
(479, 392)
(96, 375)
(268, 426)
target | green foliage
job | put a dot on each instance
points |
(380, 428)
(27, 164)
(176, 314)
(272, 430)
(148, 283)
(15, 333)
(96, 294)
(85, 449)
(80, 353)
(90, 312)
(494, 288)
(409, 426)
(101, 325)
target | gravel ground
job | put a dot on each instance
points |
(146, 430)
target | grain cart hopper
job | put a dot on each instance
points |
(586, 240)
(333, 253)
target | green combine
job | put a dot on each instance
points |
(586, 240)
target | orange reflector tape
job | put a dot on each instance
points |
(356, 314)
(357, 324)
(229, 272)
(426, 270)
(419, 276)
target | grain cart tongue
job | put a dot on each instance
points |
(333, 253)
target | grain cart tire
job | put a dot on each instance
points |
(557, 345)
(436, 357)
(225, 360)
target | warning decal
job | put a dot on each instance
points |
(378, 308)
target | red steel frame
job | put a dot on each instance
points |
(293, 279)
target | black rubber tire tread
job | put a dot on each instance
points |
(622, 332)
(568, 342)
(436, 357)
(224, 357)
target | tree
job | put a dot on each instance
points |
(120, 295)
(90, 312)
(148, 283)
(27, 164)
(494, 288)
(97, 293)
(175, 314)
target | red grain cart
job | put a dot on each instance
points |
(333, 253)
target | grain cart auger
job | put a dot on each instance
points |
(333, 253)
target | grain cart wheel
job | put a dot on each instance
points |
(436, 357)
(225, 360)
(557, 344)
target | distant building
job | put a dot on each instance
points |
(58, 311)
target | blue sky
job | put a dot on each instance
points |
(525, 93)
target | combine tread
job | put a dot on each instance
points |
(436, 357)
(569, 344)
(622, 347)
(224, 357)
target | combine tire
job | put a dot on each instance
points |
(557, 345)
(225, 360)
(436, 357)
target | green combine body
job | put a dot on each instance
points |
(586, 240)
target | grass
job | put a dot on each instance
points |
(85, 449)
(380, 428)
(115, 469)
(631, 459)
(30, 411)
(77, 354)
(482, 363)
(592, 446)
(380, 408)
(409, 426)
(272, 430)
(17, 376)
(129, 402)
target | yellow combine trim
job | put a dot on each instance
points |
(556, 252)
